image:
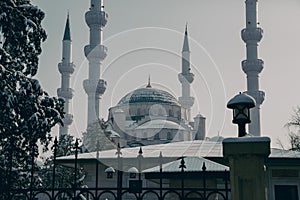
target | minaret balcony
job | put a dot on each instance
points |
(94, 87)
(186, 102)
(252, 65)
(101, 87)
(252, 34)
(98, 52)
(98, 18)
(66, 68)
(68, 119)
(65, 93)
(186, 78)
(89, 86)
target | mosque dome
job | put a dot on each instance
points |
(149, 95)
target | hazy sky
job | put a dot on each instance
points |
(145, 37)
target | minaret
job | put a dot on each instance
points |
(186, 78)
(252, 66)
(95, 52)
(66, 68)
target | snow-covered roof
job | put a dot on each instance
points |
(192, 165)
(281, 153)
(196, 148)
(247, 139)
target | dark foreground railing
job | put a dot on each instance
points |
(179, 186)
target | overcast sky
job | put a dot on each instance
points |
(145, 37)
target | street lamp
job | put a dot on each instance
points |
(241, 105)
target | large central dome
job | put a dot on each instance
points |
(148, 95)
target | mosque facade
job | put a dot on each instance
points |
(145, 116)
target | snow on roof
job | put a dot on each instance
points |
(247, 139)
(192, 165)
(281, 153)
(196, 148)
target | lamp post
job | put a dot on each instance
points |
(241, 105)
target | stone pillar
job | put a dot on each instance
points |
(246, 158)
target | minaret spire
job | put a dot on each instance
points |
(66, 68)
(186, 46)
(253, 66)
(186, 78)
(67, 34)
(95, 52)
(149, 82)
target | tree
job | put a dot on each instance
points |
(294, 128)
(27, 112)
(96, 133)
(64, 177)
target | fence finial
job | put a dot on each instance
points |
(119, 153)
(182, 165)
(203, 167)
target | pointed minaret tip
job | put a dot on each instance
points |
(67, 34)
(149, 82)
(186, 46)
(186, 28)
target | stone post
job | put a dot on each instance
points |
(246, 156)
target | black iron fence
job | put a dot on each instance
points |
(178, 187)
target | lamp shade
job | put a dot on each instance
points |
(241, 105)
(241, 99)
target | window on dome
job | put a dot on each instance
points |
(156, 137)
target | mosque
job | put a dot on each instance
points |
(148, 115)
(144, 116)
(156, 119)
